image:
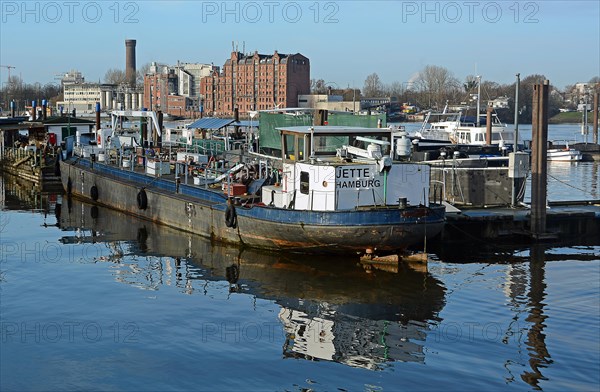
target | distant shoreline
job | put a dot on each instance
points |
(570, 118)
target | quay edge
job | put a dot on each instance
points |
(567, 222)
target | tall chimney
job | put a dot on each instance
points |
(130, 61)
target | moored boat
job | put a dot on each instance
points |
(458, 128)
(455, 128)
(565, 154)
(339, 191)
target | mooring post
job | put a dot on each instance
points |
(488, 126)
(539, 162)
(595, 126)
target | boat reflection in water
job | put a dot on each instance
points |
(331, 309)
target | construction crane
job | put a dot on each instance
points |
(8, 80)
(8, 67)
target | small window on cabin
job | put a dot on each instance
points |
(300, 149)
(289, 147)
(304, 179)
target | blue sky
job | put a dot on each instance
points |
(345, 40)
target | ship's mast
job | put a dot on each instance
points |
(516, 141)
(478, 99)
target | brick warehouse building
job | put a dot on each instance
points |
(175, 89)
(160, 93)
(255, 82)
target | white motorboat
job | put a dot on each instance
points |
(457, 128)
(566, 154)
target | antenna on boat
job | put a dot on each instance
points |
(478, 99)
(516, 141)
(312, 143)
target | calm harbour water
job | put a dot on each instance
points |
(92, 299)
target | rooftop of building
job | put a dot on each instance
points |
(61, 120)
(262, 58)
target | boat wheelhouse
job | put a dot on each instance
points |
(339, 168)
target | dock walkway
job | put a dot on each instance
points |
(565, 219)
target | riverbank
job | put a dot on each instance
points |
(571, 118)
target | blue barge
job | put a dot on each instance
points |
(339, 191)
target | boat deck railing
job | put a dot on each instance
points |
(167, 183)
(132, 164)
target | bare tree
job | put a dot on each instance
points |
(394, 89)
(470, 83)
(23, 93)
(317, 86)
(438, 83)
(595, 83)
(526, 97)
(141, 72)
(373, 86)
(115, 76)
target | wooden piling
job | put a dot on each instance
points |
(488, 125)
(595, 126)
(539, 161)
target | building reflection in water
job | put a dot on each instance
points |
(330, 309)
